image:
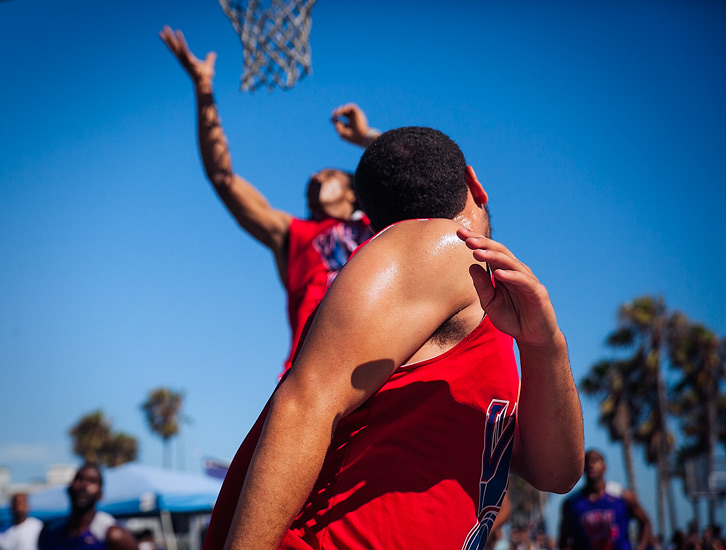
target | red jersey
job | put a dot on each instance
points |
(423, 463)
(317, 251)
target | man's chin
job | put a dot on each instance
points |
(84, 502)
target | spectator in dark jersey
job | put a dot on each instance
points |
(308, 253)
(398, 422)
(86, 528)
(597, 516)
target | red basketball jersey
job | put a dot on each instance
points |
(423, 463)
(317, 251)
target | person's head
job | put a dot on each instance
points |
(86, 489)
(414, 172)
(145, 540)
(594, 466)
(330, 193)
(19, 507)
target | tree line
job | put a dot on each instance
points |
(94, 440)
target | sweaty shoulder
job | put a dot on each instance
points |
(419, 251)
(424, 266)
(418, 240)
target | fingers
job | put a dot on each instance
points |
(343, 130)
(181, 41)
(167, 36)
(346, 110)
(492, 252)
(174, 40)
(477, 241)
(483, 285)
(522, 283)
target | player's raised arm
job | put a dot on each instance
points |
(550, 448)
(249, 207)
(351, 124)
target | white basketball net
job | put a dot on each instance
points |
(274, 36)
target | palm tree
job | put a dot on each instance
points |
(120, 449)
(163, 414)
(642, 328)
(93, 441)
(612, 382)
(696, 352)
(89, 435)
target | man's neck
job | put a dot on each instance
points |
(595, 488)
(342, 210)
(80, 520)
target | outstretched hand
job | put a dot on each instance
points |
(200, 71)
(352, 125)
(516, 302)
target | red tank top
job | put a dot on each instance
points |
(317, 251)
(423, 463)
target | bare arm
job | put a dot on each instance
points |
(549, 450)
(351, 124)
(350, 351)
(118, 538)
(249, 207)
(637, 512)
(505, 512)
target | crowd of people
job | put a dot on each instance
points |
(84, 528)
(606, 522)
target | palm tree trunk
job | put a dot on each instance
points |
(167, 454)
(628, 458)
(696, 511)
(671, 505)
(662, 450)
(712, 438)
(660, 481)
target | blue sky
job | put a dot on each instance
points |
(596, 128)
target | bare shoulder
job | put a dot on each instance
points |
(417, 263)
(118, 538)
(629, 497)
(418, 240)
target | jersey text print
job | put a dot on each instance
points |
(497, 453)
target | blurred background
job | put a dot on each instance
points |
(596, 128)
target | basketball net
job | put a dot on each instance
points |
(274, 36)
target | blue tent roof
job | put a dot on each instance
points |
(135, 489)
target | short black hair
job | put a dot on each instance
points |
(411, 172)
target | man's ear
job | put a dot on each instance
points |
(476, 188)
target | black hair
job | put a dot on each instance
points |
(408, 173)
